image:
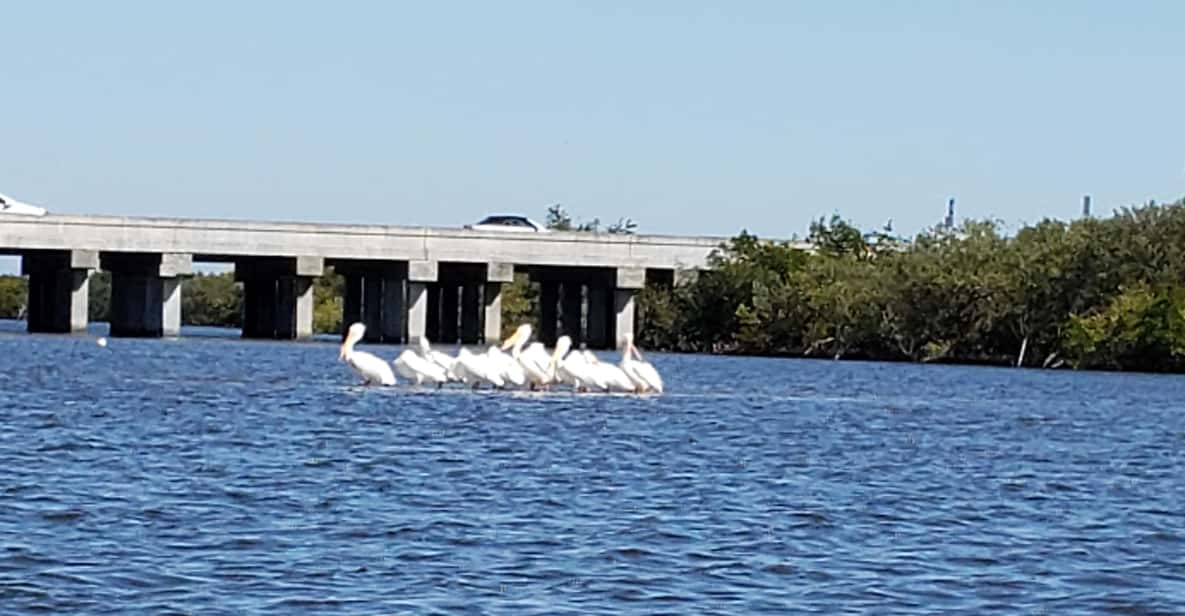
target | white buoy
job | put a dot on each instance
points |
(102, 341)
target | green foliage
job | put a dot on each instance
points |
(558, 219)
(1107, 293)
(98, 305)
(328, 291)
(1141, 328)
(212, 299)
(13, 290)
(520, 303)
(837, 237)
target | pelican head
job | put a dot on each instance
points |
(520, 336)
(353, 335)
(561, 348)
(425, 346)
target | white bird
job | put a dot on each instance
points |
(641, 372)
(570, 368)
(506, 367)
(369, 367)
(101, 341)
(444, 360)
(534, 360)
(609, 377)
(418, 369)
(474, 370)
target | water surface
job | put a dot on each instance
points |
(208, 475)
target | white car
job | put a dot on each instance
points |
(507, 223)
(8, 205)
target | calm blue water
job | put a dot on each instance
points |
(218, 476)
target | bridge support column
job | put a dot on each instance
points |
(294, 307)
(600, 306)
(492, 319)
(58, 289)
(278, 296)
(372, 307)
(571, 307)
(449, 303)
(393, 307)
(146, 293)
(471, 306)
(497, 274)
(351, 300)
(420, 275)
(373, 297)
(433, 327)
(629, 282)
(548, 299)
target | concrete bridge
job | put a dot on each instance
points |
(403, 282)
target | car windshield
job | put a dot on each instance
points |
(509, 221)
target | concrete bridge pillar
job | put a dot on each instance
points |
(146, 293)
(278, 295)
(392, 326)
(549, 296)
(629, 282)
(294, 307)
(420, 275)
(571, 309)
(372, 306)
(449, 305)
(432, 318)
(374, 296)
(58, 289)
(471, 306)
(351, 299)
(599, 332)
(497, 274)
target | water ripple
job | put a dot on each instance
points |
(220, 476)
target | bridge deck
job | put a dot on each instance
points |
(226, 239)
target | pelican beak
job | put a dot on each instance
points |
(636, 352)
(510, 341)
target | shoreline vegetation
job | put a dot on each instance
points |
(1095, 293)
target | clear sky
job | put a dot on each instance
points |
(688, 116)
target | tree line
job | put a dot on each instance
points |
(1093, 293)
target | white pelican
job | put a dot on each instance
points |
(644, 376)
(609, 376)
(413, 367)
(474, 369)
(570, 368)
(444, 360)
(370, 368)
(510, 370)
(534, 360)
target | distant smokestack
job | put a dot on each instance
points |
(1086, 206)
(950, 214)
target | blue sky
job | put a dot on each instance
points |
(689, 117)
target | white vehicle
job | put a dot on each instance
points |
(8, 205)
(507, 223)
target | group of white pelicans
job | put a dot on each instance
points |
(525, 367)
